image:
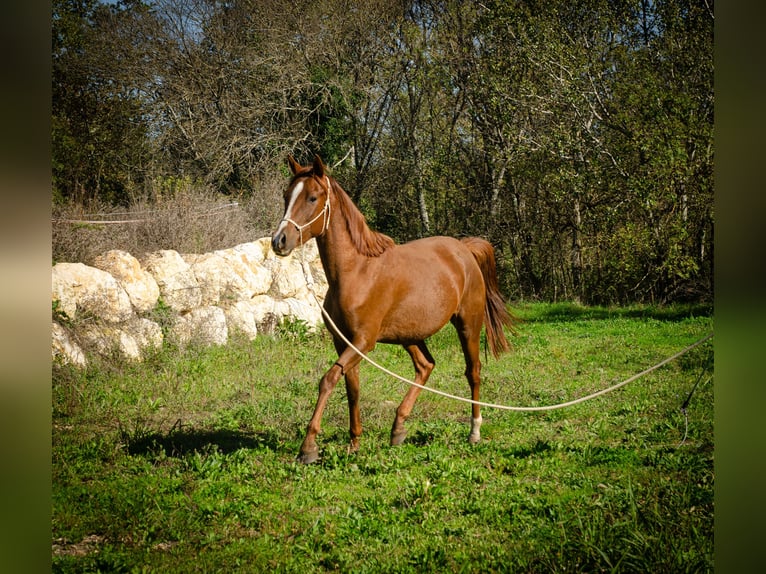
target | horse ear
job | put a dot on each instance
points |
(294, 165)
(319, 168)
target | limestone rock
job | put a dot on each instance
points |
(261, 248)
(255, 251)
(240, 317)
(203, 325)
(229, 275)
(287, 277)
(129, 340)
(108, 339)
(64, 349)
(304, 309)
(320, 279)
(291, 274)
(178, 285)
(261, 306)
(213, 276)
(265, 311)
(140, 286)
(246, 261)
(147, 334)
(246, 288)
(80, 288)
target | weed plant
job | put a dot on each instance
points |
(186, 462)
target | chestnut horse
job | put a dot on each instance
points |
(383, 292)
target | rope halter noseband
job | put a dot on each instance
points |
(324, 213)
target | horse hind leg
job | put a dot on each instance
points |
(469, 336)
(424, 363)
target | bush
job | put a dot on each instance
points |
(189, 220)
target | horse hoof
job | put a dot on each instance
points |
(475, 435)
(308, 457)
(397, 438)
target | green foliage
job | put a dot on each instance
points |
(296, 330)
(99, 122)
(164, 316)
(185, 463)
(332, 131)
(58, 314)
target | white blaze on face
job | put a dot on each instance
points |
(289, 211)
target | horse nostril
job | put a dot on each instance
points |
(278, 241)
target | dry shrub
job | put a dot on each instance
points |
(190, 220)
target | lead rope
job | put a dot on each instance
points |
(310, 285)
(689, 398)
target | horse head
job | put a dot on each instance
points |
(307, 207)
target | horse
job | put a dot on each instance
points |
(383, 292)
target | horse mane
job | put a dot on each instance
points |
(366, 241)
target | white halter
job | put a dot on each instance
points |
(324, 213)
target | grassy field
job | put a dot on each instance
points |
(186, 462)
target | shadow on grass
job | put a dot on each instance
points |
(526, 451)
(178, 443)
(573, 312)
(422, 437)
(671, 458)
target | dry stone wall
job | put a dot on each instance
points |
(129, 306)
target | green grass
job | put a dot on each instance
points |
(186, 462)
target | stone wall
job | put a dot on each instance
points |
(129, 306)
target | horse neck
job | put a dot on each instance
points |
(348, 242)
(336, 247)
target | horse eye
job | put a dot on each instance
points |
(313, 199)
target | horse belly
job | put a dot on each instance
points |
(419, 312)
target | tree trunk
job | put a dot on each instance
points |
(577, 249)
(424, 219)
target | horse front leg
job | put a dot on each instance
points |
(348, 364)
(309, 451)
(355, 419)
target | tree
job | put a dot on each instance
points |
(100, 138)
(576, 137)
(662, 108)
(226, 96)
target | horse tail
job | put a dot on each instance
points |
(496, 314)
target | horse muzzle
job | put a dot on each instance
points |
(279, 244)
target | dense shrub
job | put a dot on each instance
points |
(190, 220)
